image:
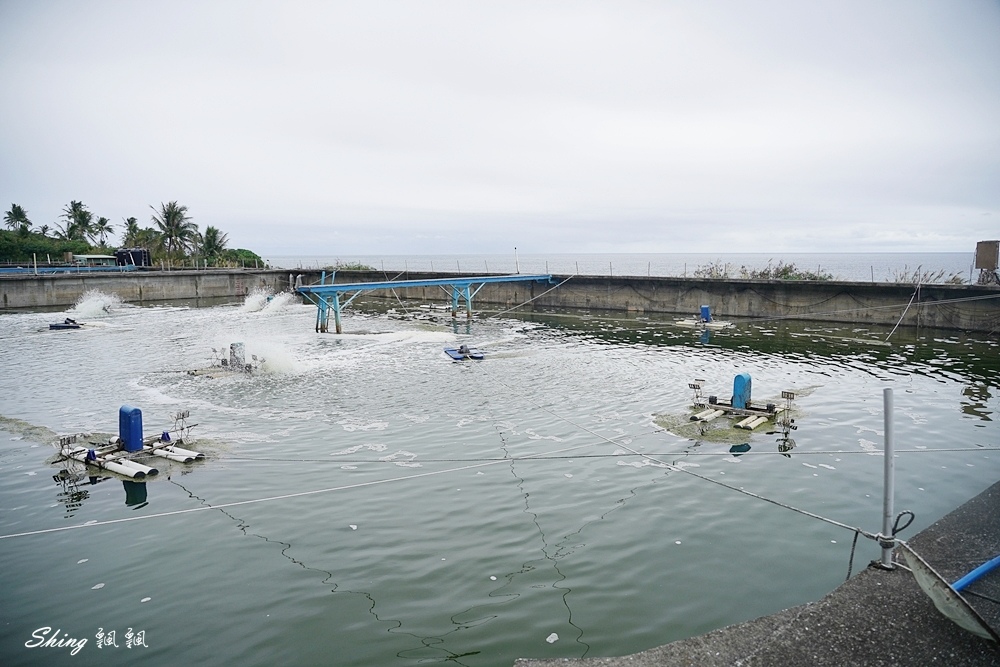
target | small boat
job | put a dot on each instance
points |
(68, 323)
(464, 352)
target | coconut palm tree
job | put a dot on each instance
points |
(148, 238)
(17, 218)
(177, 232)
(66, 232)
(79, 222)
(102, 228)
(130, 232)
(213, 243)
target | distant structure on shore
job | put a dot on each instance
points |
(987, 254)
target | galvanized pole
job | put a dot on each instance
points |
(888, 484)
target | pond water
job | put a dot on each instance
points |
(365, 500)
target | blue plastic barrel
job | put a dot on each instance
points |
(741, 391)
(130, 427)
(706, 314)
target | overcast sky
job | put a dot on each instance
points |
(372, 127)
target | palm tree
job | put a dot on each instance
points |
(67, 232)
(44, 230)
(17, 218)
(177, 232)
(213, 243)
(101, 230)
(147, 237)
(130, 232)
(79, 222)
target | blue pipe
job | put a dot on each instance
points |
(976, 574)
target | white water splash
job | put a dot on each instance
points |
(95, 303)
(255, 300)
(280, 302)
(273, 359)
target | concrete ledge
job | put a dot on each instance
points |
(956, 307)
(962, 307)
(62, 290)
(878, 618)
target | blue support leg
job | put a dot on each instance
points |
(321, 315)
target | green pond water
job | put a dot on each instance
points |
(367, 501)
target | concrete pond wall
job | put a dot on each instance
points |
(958, 307)
(140, 287)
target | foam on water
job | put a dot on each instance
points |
(413, 337)
(358, 448)
(351, 424)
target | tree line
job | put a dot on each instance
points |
(172, 236)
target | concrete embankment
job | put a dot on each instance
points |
(962, 307)
(959, 307)
(140, 287)
(877, 618)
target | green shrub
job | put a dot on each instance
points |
(349, 266)
(780, 271)
(783, 271)
(920, 277)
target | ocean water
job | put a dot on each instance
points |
(855, 267)
(367, 501)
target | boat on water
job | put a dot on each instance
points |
(464, 352)
(68, 323)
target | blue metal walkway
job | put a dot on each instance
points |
(328, 296)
